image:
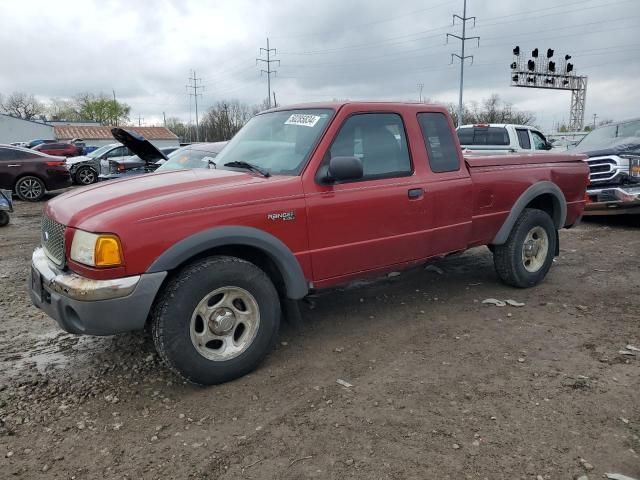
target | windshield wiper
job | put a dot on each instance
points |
(248, 166)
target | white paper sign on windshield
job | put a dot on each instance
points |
(302, 120)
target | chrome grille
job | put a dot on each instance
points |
(52, 238)
(602, 169)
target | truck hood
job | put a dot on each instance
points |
(104, 206)
(139, 145)
(617, 146)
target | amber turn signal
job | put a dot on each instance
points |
(108, 252)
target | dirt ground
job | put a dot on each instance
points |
(443, 386)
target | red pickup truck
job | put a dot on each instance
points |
(303, 198)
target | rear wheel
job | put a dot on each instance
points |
(30, 189)
(4, 218)
(86, 176)
(216, 320)
(526, 257)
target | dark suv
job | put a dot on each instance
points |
(30, 173)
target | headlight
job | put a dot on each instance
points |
(634, 165)
(96, 250)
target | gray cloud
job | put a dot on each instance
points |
(331, 49)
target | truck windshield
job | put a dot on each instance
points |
(605, 136)
(279, 142)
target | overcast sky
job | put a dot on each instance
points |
(356, 49)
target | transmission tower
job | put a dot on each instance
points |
(463, 40)
(195, 84)
(268, 61)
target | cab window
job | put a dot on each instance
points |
(378, 140)
(523, 138)
(539, 142)
(438, 139)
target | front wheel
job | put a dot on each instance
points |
(4, 218)
(526, 257)
(216, 320)
(30, 189)
(86, 176)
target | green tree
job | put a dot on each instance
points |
(101, 108)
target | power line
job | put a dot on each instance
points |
(193, 85)
(463, 40)
(367, 24)
(268, 71)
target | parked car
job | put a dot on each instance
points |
(148, 158)
(196, 155)
(19, 144)
(6, 207)
(487, 139)
(303, 198)
(135, 165)
(60, 149)
(30, 173)
(614, 162)
(38, 141)
(85, 169)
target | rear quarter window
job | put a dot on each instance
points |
(483, 136)
(438, 140)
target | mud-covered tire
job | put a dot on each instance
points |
(177, 323)
(515, 261)
(4, 218)
(86, 176)
(30, 188)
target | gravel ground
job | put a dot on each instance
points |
(442, 385)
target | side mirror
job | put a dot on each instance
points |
(548, 146)
(344, 168)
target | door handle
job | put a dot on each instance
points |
(415, 193)
(14, 165)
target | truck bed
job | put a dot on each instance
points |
(495, 191)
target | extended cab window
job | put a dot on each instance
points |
(379, 140)
(441, 149)
(483, 135)
(523, 138)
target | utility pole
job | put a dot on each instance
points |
(275, 103)
(268, 71)
(463, 40)
(164, 119)
(595, 115)
(420, 87)
(140, 120)
(115, 107)
(195, 86)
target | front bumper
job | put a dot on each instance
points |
(93, 307)
(613, 200)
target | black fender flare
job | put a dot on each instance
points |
(289, 267)
(531, 193)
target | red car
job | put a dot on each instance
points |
(60, 149)
(302, 198)
(30, 173)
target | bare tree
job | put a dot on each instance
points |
(491, 110)
(22, 105)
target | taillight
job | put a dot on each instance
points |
(120, 168)
(56, 163)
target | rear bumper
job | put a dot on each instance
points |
(93, 307)
(57, 179)
(613, 200)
